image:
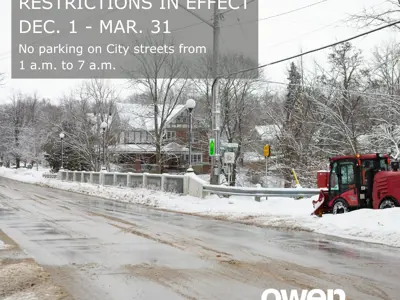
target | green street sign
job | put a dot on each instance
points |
(212, 147)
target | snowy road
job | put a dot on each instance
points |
(98, 249)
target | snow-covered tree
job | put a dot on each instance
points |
(239, 101)
(377, 16)
(384, 99)
(83, 112)
(341, 100)
(164, 79)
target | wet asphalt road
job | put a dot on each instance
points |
(99, 249)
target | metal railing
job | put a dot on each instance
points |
(260, 192)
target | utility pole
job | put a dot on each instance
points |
(215, 109)
(215, 170)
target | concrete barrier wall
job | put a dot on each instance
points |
(188, 184)
(154, 181)
(160, 182)
(121, 179)
(108, 178)
(135, 180)
(95, 178)
(194, 185)
(86, 177)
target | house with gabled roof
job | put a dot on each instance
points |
(136, 149)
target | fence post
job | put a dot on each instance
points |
(102, 178)
(82, 177)
(91, 177)
(258, 198)
(163, 177)
(145, 179)
(128, 179)
(74, 176)
(186, 184)
(115, 179)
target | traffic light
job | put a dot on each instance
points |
(267, 152)
(212, 147)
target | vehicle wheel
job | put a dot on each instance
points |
(387, 203)
(340, 207)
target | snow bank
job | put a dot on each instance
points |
(24, 175)
(378, 226)
(2, 245)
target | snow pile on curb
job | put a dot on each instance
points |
(2, 245)
(23, 175)
(378, 226)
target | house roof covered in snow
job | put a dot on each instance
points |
(267, 132)
(140, 116)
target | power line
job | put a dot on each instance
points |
(231, 9)
(196, 15)
(187, 26)
(394, 51)
(207, 21)
(278, 15)
(320, 28)
(334, 88)
(262, 19)
(313, 50)
(305, 34)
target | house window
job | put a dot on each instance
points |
(137, 136)
(130, 137)
(196, 158)
(143, 137)
(170, 135)
(181, 121)
(149, 137)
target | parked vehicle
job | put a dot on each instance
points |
(360, 181)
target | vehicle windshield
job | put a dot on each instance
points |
(369, 163)
(384, 166)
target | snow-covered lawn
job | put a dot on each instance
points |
(379, 226)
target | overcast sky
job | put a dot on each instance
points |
(278, 37)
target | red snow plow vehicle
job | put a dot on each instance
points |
(360, 181)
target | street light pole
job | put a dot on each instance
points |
(214, 178)
(190, 105)
(62, 135)
(104, 157)
(103, 126)
(215, 108)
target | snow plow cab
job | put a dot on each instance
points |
(360, 181)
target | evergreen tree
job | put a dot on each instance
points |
(291, 127)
